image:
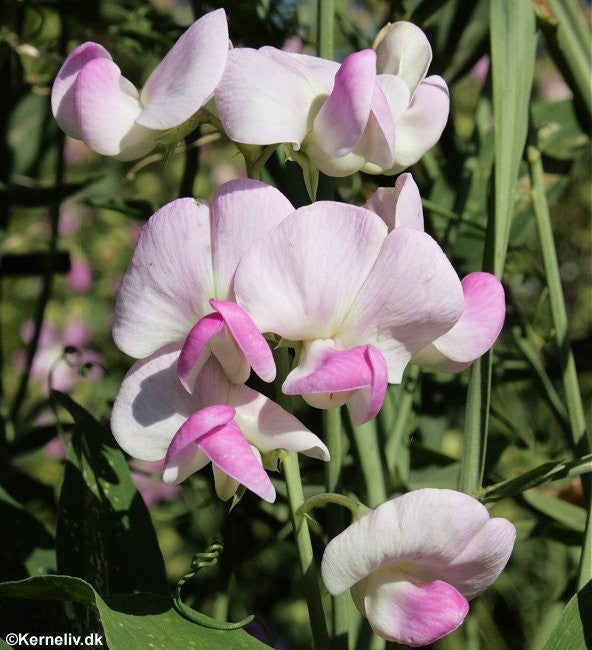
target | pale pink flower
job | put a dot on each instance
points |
(179, 287)
(414, 563)
(355, 301)
(484, 307)
(376, 112)
(230, 425)
(93, 102)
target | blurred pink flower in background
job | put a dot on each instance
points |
(61, 356)
(80, 276)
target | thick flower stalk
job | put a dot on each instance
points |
(230, 425)
(376, 112)
(414, 563)
(484, 307)
(93, 102)
(355, 301)
(179, 286)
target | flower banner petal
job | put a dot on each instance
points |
(431, 527)
(243, 211)
(264, 98)
(309, 269)
(411, 297)
(187, 76)
(169, 282)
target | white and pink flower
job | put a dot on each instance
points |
(376, 112)
(230, 425)
(414, 563)
(93, 102)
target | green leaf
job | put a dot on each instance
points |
(132, 620)
(565, 513)
(28, 550)
(544, 473)
(104, 531)
(513, 39)
(574, 629)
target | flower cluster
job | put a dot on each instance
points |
(355, 292)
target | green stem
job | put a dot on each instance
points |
(335, 519)
(312, 593)
(357, 508)
(585, 571)
(395, 416)
(366, 441)
(476, 425)
(571, 387)
(326, 27)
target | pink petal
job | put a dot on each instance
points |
(481, 321)
(229, 450)
(412, 613)
(62, 92)
(169, 282)
(195, 351)
(243, 211)
(402, 49)
(340, 123)
(435, 534)
(107, 105)
(301, 279)
(327, 377)
(411, 297)
(150, 406)
(187, 76)
(400, 205)
(248, 338)
(421, 126)
(198, 425)
(268, 427)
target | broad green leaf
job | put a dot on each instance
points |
(104, 531)
(565, 513)
(544, 473)
(574, 630)
(29, 549)
(513, 40)
(129, 621)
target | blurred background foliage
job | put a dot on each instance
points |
(69, 220)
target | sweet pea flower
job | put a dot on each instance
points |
(484, 307)
(414, 563)
(355, 300)
(179, 287)
(376, 112)
(93, 102)
(230, 425)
